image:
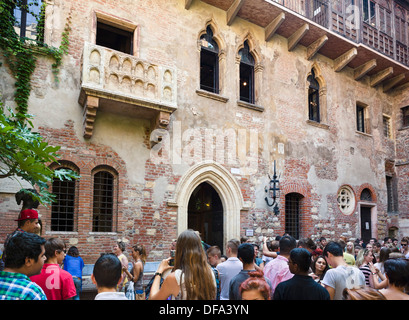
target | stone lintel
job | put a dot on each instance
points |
(297, 36)
(316, 46)
(362, 70)
(380, 76)
(233, 11)
(274, 25)
(389, 84)
(341, 62)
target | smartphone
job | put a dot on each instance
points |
(172, 260)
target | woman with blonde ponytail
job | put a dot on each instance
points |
(191, 278)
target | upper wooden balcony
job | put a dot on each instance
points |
(374, 42)
(117, 82)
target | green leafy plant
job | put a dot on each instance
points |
(19, 53)
(25, 154)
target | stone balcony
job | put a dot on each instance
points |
(117, 82)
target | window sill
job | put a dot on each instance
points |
(211, 95)
(61, 232)
(403, 129)
(363, 134)
(318, 124)
(250, 106)
(102, 233)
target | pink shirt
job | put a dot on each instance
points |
(56, 283)
(277, 271)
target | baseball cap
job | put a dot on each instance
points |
(27, 214)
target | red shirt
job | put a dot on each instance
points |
(56, 282)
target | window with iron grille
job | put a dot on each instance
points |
(62, 210)
(387, 126)
(360, 118)
(292, 214)
(405, 116)
(103, 202)
(246, 74)
(366, 195)
(209, 63)
(313, 98)
(391, 194)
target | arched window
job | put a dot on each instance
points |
(246, 74)
(366, 195)
(313, 98)
(103, 202)
(292, 214)
(209, 62)
(63, 209)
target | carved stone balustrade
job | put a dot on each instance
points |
(117, 82)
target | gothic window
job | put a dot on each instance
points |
(247, 63)
(63, 209)
(103, 202)
(209, 62)
(346, 200)
(313, 98)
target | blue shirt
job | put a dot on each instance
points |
(74, 265)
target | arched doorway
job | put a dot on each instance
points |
(205, 214)
(227, 188)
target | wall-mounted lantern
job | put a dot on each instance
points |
(273, 192)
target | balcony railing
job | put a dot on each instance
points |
(122, 75)
(385, 29)
(118, 80)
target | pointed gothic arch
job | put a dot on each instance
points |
(225, 185)
(316, 75)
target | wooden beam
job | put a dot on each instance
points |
(362, 70)
(341, 62)
(297, 36)
(274, 25)
(233, 11)
(389, 84)
(316, 46)
(188, 3)
(380, 76)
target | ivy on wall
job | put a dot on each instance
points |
(25, 154)
(20, 53)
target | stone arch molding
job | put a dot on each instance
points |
(225, 185)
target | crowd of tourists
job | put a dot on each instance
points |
(283, 268)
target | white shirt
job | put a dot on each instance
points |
(227, 270)
(111, 296)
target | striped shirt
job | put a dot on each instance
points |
(17, 286)
(367, 273)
